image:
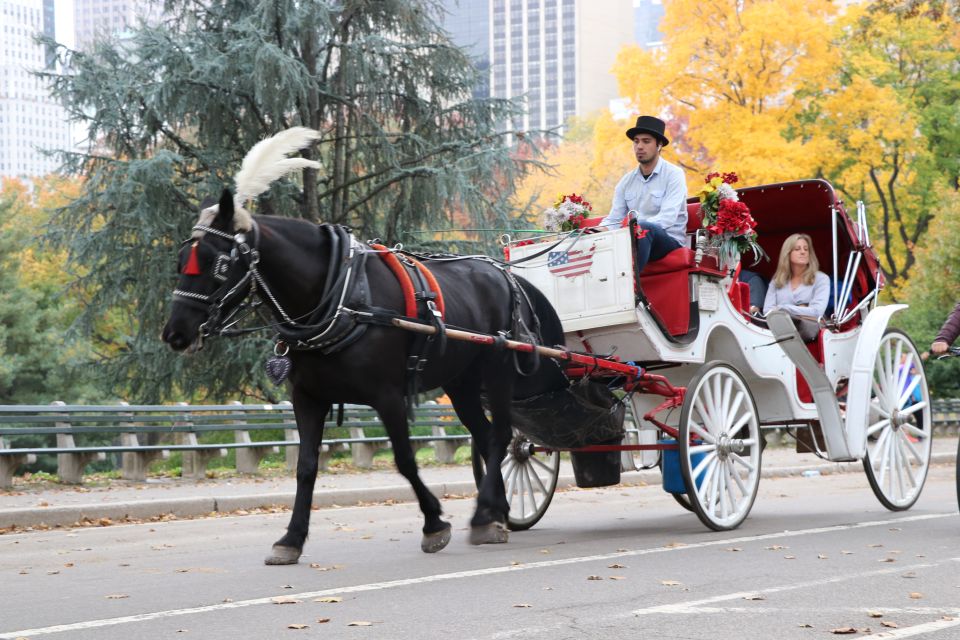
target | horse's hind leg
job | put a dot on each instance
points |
(310, 415)
(489, 522)
(436, 532)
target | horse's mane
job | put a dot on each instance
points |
(266, 162)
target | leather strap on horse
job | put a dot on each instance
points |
(406, 282)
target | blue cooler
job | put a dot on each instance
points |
(670, 466)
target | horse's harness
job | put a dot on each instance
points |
(345, 310)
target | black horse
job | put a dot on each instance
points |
(352, 354)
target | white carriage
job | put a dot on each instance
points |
(711, 379)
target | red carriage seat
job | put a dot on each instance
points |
(666, 282)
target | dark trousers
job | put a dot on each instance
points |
(758, 287)
(654, 245)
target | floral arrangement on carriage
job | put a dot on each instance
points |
(567, 213)
(728, 220)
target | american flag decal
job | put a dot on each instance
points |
(570, 264)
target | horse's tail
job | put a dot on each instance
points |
(546, 375)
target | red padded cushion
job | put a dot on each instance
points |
(667, 294)
(677, 259)
(816, 350)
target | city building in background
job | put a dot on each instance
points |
(30, 120)
(646, 23)
(468, 23)
(555, 55)
(94, 19)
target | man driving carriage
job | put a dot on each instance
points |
(655, 193)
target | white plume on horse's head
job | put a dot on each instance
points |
(267, 161)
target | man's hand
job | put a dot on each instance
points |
(595, 229)
(938, 347)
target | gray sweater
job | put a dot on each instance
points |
(806, 300)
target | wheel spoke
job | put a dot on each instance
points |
(915, 431)
(704, 435)
(707, 459)
(725, 400)
(702, 448)
(902, 446)
(543, 465)
(534, 476)
(743, 462)
(912, 409)
(708, 422)
(872, 429)
(704, 484)
(905, 395)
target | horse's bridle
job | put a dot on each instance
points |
(294, 332)
(214, 303)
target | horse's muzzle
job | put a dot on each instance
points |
(181, 342)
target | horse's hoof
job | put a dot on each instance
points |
(282, 555)
(493, 533)
(433, 542)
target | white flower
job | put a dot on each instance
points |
(726, 192)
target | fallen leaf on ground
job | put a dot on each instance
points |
(875, 614)
(804, 625)
(889, 623)
(594, 578)
(916, 595)
(544, 550)
(887, 560)
(822, 556)
(297, 625)
(909, 574)
(734, 549)
(116, 596)
(776, 547)
(616, 566)
(284, 600)
(323, 620)
(53, 573)
(617, 578)
(843, 630)
(789, 557)
(847, 553)
(670, 583)
(360, 623)
(329, 599)
(523, 605)
(875, 545)
(756, 596)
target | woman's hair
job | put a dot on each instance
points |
(783, 273)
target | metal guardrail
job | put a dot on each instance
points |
(136, 435)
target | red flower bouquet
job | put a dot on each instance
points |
(727, 219)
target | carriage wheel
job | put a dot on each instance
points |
(899, 427)
(719, 444)
(530, 480)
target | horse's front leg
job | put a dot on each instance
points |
(436, 532)
(310, 414)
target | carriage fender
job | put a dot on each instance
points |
(861, 376)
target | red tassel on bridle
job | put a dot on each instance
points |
(192, 268)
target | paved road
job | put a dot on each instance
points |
(816, 554)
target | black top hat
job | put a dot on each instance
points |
(651, 125)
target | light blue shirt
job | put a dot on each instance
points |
(660, 198)
(806, 300)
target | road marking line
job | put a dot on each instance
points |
(693, 606)
(393, 584)
(916, 630)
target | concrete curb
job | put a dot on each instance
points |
(201, 506)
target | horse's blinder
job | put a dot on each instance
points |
(214, 303)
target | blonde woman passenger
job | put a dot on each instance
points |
(798, 286)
